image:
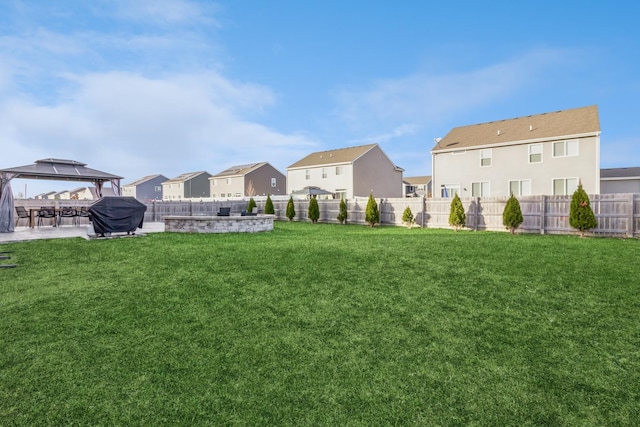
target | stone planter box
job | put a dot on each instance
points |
(218, 224)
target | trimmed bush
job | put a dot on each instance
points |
(251, 205)
(407, 217)
(342, 215)
(457, 217)
(314, 210)
(581, 215)
(291, 210)
(372, 215)
(268, 207)
(512, 214)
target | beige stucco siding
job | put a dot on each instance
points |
(223, 186)
(297, 178)
(511, 162)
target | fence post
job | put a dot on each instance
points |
(630, 221)
(543, 200)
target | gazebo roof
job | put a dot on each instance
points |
(60, 169)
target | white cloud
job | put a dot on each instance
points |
(424, 97)
(163, 11)
(130, 125)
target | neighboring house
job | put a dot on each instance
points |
(106, 192)
(192, 185)
(256, 179)
(347, 173)
(46, 196)
(540, 154)
(620, 180)
(82, 193)
(145, 189)
(62, 195)
(417, 186)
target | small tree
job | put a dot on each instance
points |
(268, 207)
(512, 214)
(457, 217)
(291, 210)
(314, 210)
(581, 215)
(372, 216)
(342, 215)
(251, 205)
(407, 217)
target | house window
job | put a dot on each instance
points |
(449, 190)
(158, 188)
(485, 158)
(307, 174)
(213, 195)
(535, 153)
(565, 148)
(564, 186)
(341, 193)
(324, 173)
(237, 195)
(273, 182)
(520, 187)
(338, 170)
(228, 181)
(215, 182)
(480, 189)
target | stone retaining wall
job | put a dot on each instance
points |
(218, 224)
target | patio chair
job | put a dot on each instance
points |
(22, 213)
(46, 212)
(83, 213)
(68, 212)
(224, 211)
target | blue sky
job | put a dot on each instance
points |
(135, 87)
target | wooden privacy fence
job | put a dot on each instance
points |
(617, 214)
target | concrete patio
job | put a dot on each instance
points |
(22, 234)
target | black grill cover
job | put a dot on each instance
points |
(116, 214)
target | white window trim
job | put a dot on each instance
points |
(530, 153)
(519, 181)
(307, 174)
(566, 192)
(482, 193)
(452, 189)
(566, 151)
(490, 157)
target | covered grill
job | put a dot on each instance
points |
(116, 214)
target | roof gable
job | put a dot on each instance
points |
(330, 157)
(239, 170)
(143, 180)
(558, 124)
(184, 177)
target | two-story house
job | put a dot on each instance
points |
(417, 186)
(256, 179)
(191, 185)
(547, 153)
(146, 188)
(347, 173)
(81, 193)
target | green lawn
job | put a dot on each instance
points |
(322, 325)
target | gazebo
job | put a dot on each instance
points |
(49, 169)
